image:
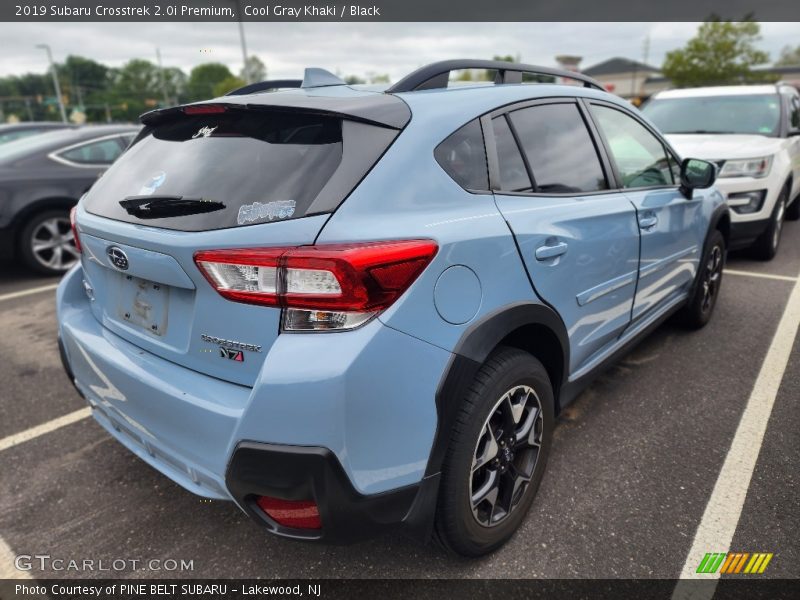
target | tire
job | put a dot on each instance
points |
(766, 246)
(697, 313)
(48, 228)
(793, 210)
(489, 408)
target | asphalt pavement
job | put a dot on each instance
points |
(633, 464)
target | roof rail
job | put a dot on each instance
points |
(272, 84)
(436, 75)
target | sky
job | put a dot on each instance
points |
(351, 48)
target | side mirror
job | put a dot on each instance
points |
(696, 173)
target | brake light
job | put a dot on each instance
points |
(204, 109)
(325, 287)
(297, 514)
(74, 227)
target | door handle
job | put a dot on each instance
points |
(551, 251)
(648, 222)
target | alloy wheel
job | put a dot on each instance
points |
(52, 244)
(776, 233)
(711, 277)
(505, 455)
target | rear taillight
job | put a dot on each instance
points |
(326, 287)
(297, 514)
(74, 226)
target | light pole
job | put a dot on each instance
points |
(244, 53)
(245, 70)
(161, 77)
(46, 48)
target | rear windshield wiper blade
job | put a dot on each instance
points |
(157, 207)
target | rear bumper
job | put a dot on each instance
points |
(314, 473)
(342, 410)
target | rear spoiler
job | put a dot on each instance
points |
(377, 109)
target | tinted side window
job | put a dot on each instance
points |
(794, 112)
(639, 155)
(463, 157)
(559, 149)
(103, 152)
(513, 173)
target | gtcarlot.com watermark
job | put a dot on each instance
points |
(46, 562)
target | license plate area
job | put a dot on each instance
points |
(143, 304)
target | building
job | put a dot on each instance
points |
(634, 80)
(628, 78)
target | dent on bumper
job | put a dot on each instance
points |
(368, 398)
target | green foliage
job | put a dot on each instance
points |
(135, 89)
(255, 68)
(377, 77)
(228, 85)
(790, 57)
(204, 78)
(354, 80)
(721, 53)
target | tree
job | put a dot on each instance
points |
(86, 82)
(228, 85)
(721, 53)
(175, 81)
(354, 80)
(255, 68)
(789, 57)
(204, 78)
(377, 77)
(135, 89)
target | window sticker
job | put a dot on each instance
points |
(257, 211)
(155, 182)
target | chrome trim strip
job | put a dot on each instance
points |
(54, 155)
(662, 263)
(605, 288)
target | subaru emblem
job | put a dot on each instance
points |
(118, 258)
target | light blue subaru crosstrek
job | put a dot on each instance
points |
(350, 311)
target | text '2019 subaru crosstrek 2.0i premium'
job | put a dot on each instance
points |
(350, 311)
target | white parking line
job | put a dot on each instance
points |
(28, 292)
(760, 275)
(716, 529)
(7, 569)
(34, 432)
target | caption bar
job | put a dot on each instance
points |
(394, 10)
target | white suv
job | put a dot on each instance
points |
(752, 132)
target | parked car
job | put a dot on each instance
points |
(41, 179)
(752, 132)
(16, 131)
(346, 318)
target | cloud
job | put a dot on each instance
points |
(350, 48)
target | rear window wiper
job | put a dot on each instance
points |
(156, 207)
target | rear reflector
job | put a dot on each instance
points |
(74, 227)
(334, 286)
(297, 514)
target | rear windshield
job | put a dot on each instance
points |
(241, 167)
